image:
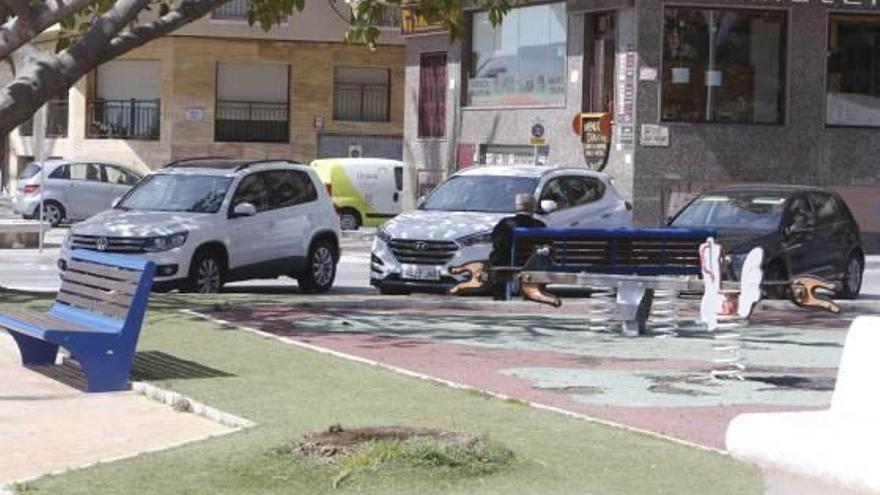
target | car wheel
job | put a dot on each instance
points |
(349, 219)
(852, 278)
(776, 272)
(320, 270)
(53, 213)
(206, 273)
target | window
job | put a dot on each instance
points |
(289, 188)
(800, 213)
(85, 171)
(432, 95)
(724, 65)
(827, 209)
(116, 175)
(126, 102)
(62, 172)
(568, 192)
(398, 178)
(56, 120)
(362, 94)
(522, 62)
(853, 86)
(252, 189)
(252, 103)
(235, 10)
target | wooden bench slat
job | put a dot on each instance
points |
(120, 286)
(108, 309)
(44, 320)
(92, 293)
(103, 270)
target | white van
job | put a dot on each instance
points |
(366, 191)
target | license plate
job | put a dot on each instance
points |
(420, 272)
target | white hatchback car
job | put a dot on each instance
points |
(208, 221)
(453, 225)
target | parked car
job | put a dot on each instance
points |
(453, 225)
(803, 230)
(365, 191)
(74, 190)
(205, 222)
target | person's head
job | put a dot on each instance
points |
(525, 204)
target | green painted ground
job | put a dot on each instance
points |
(290, 391)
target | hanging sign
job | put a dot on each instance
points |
(596, 137)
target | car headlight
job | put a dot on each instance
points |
(383, 235)
(166, 242)
(473, 239)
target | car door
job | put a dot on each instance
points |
(251, 238)
(580, 202)
(84, 193)
(798, 236)
(294, 202)
(833, 237)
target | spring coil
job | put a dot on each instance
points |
(664, 319)
(728, 346)
(603, 311)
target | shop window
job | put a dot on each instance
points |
(853, 70)
(522, 62)
(362, 94)
(723, 65)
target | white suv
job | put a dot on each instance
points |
(453, 225)
(208, 221)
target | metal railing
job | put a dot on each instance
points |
(236, 10)
(251, 121)
(124, 119)
(56, 120)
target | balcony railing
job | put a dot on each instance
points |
(56, 120)
(251, 121)
(236, 10)
(124, 119)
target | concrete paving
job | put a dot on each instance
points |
(47, 426)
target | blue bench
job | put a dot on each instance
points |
(97, 316)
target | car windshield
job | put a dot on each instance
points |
(174, 192)
(733, 211)
(482, 193)
(31, 170)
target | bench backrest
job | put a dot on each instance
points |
(105, 289)
(856, 388)
(615, 251)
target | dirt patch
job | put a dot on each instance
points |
(337, 442)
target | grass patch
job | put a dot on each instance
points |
(289, 391)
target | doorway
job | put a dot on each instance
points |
(599, 62)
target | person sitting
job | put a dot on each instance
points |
(502, 239)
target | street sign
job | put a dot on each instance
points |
(538, 133)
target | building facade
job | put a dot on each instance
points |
(668, 97)
(221, 87)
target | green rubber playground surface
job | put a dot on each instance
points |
(289, 391)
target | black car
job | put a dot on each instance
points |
(803, 230)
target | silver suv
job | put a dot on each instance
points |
(74, 190)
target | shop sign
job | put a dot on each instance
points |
(411, 23)
(626, 99)
(596, 136)
(655, 135)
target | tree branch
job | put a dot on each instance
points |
(186, 12)
(20, 30)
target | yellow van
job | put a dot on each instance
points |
(365, 191)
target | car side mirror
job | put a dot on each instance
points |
(669, 221)
(421, 202)
(244, 210)
(797, 227)
(115, 202)
(548, 206)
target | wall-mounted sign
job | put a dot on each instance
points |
(655, 135)
(194, 114)
(596, 137)
(626, 99)
(537, 137)
(411, 23)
